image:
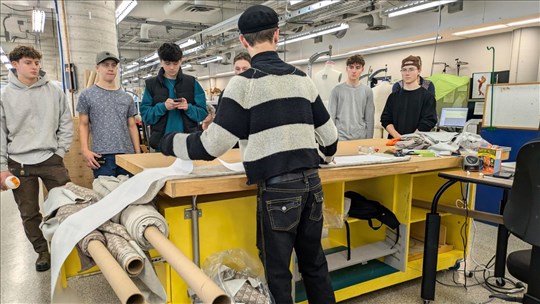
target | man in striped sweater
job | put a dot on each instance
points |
(285, 132)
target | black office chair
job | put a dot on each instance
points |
(522, 218)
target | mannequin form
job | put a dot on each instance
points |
(325, 80)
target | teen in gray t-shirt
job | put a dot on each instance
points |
(107, 113)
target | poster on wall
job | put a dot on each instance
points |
(480, 81)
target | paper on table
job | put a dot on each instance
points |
(237, 167)
(141, 188)
(364, 159)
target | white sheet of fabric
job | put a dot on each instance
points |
(366, 159)
(236, 167)
(141, 188)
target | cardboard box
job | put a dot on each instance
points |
(491, 158)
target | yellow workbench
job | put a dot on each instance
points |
(227, 214)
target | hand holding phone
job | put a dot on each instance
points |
(181, 103)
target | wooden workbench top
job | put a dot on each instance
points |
(135, 163)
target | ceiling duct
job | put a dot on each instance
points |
(143, 38)
(171, 6)
(376, 23)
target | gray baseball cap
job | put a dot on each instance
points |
(102, 56)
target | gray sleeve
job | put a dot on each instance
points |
(132, 111)
(82, 104)
(333, 104)
(370, 113)
(65, 126)
(3, 139)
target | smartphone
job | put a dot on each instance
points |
(101, 161)
(178, 100)
(503, 175)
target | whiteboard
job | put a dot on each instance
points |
(515, 106)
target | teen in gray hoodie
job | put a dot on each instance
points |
(36, 132)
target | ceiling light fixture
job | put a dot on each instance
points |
(415, 6)
(186, 66)
(211, 59)
(293, 2)
(319, 31)
(185, 43)
(124, 9)
(38, 21)
(194, 50)
(151, 57)
(523, 22)
(482, 29)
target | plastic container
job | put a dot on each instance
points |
(13, 182)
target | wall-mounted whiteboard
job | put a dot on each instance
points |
(515, 106)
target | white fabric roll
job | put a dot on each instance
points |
(136, 218)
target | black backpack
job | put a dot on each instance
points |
(364, 209)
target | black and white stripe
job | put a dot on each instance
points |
(276, 113)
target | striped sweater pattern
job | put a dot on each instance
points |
(275, 113)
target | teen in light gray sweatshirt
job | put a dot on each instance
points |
(351, 104)
(36, 131)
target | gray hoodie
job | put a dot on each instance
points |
(35, 121)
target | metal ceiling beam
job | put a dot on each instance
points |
(188, 26)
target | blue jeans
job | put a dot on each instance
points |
(289, 215)
(109, 168)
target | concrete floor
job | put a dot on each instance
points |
(20, 283)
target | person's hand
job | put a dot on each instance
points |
(207, 121)
(90, 159)
(3, 176)
(182, 104)
(170, 104)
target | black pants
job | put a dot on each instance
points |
(289, 215)
(53, 173)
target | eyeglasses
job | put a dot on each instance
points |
(409, 70)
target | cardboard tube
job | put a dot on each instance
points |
(194, 277)
(122, 285)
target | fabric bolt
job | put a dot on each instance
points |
(108, 111)
(72, 222)
(141, 188)
(137, 218)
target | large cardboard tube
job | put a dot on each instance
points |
(194, 277)
(120, 282)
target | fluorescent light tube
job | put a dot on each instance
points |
(38, 21)
(415, 7)
(151, 57)
(4, 58)
(124, 9)
(213, 59)
(185, 43)
(535, 20)
(314, 33)
(186, 66)
(293, 2)
(482, 29)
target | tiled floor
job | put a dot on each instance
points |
(20, 283)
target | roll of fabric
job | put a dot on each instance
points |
(136, 218)
(118, 244)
